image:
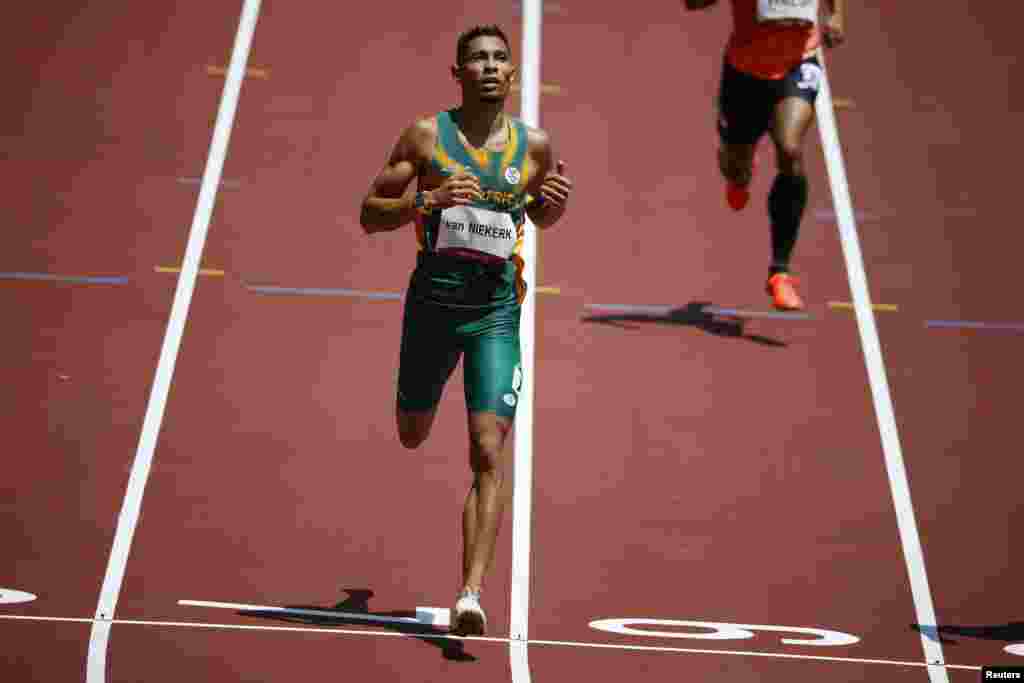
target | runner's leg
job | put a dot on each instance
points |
(788, 197)
(428, 356)
(493, 379)
(744, 115)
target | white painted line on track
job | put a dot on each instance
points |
(519, 660)
(522, 486)
(747, 653)
(910, 541)
(522, 480)
(132, 504)
(251, 627)
(96, 662)
(9, 596)
(509, 641)
(425, 616)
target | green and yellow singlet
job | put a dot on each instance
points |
(471, 255)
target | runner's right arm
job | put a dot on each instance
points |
(388, 207)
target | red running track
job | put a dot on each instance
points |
(684, 470)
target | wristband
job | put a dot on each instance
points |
(420, 202)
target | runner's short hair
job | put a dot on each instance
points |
(469, 35)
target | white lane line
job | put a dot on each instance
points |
(9, 596)
(425, 616)
(509, 641)
(899, 486)
(519, 660)
(251, 627)
(96, 662)
(549, 8)
(132, 503)
(522, 486)
(746, 653)
(523, 476)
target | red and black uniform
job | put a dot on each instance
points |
(764, 63)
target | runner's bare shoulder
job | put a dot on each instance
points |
(418, 139)
(539, 154)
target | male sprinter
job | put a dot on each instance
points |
(479, 172)
(770, 80)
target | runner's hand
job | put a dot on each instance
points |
(834, 32)
(459, 189)
(556, 186)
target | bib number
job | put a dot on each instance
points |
(787, 11)
(475, 229)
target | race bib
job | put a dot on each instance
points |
(788, 11)
(480, 230)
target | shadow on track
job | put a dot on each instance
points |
(1008, 633)
(358, 602)
(691, 315)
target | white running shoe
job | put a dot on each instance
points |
(469, 619)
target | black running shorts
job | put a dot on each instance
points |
(746, 104)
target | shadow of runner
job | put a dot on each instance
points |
(691, 315)
(1009, 633)
(358, 602)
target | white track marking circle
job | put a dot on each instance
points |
(722, 631)
(9, 596)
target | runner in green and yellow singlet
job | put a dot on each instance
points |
(479, 174)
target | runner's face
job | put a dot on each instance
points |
(486, 69)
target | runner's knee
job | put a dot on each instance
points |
(485, 448)
(791, 157)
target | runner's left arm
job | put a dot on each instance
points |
(550, 187)
(835, 26)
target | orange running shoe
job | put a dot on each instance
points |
(782, 288)
(737, 196)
